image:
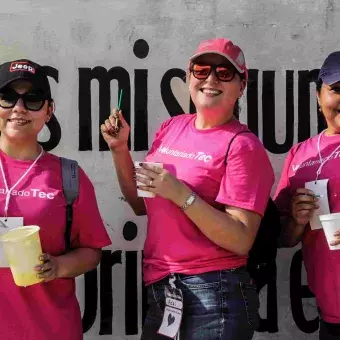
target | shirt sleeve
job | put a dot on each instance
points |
(88, 229)
(283, 194)
(248, 177)
(157, 141)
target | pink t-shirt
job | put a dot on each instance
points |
(174, 244)
(46, 311)
(322, 264)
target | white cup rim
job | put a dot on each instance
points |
(329, 217)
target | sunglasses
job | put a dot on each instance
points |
(223, 72)
(33, 101)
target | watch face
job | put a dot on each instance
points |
(190, 200)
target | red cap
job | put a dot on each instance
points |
(225, 48)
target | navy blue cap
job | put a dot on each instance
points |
(330, 70)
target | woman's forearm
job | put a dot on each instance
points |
(125, 173)
(224, 229)
(78, 262)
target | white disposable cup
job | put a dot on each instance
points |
(143, 193)
(330, 224)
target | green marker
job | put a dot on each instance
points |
(118, 123)
(120, 99)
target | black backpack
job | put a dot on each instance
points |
(261, 263)
(70, 177)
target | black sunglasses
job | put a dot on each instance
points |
(223, 72)
(33, 101)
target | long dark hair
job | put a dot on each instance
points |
(318, 85)
(321, 117)
(237, 109)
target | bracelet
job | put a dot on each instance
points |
(189, 201)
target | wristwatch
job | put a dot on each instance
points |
(189, 201)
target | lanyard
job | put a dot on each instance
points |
(323, 161)
(9, 191)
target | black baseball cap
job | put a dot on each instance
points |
(330, 70)
(27, 70)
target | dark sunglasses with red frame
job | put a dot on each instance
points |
(222, 72)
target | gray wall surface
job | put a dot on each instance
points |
(145, 44)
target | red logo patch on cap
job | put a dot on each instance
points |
(21, 66)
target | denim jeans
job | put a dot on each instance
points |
(218, 305)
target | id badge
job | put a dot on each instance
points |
(7, 224)
(172, 313)
(320, 190)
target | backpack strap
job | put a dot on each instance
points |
(70, 177)
(232, 139)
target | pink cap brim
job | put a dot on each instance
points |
(219, 53)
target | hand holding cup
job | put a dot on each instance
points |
(304, 203)
(331, 228)
(49, 269)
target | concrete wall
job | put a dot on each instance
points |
(146, 43)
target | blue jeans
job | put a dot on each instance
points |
(218, 305)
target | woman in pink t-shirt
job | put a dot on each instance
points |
(31, 193)
(312, 169)
(205, 214)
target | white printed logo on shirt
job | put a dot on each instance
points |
(199, 156)
(310, 162)
(35, 193)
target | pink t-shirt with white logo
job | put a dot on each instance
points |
(46, 311)
(322, 264)
(174, 244)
